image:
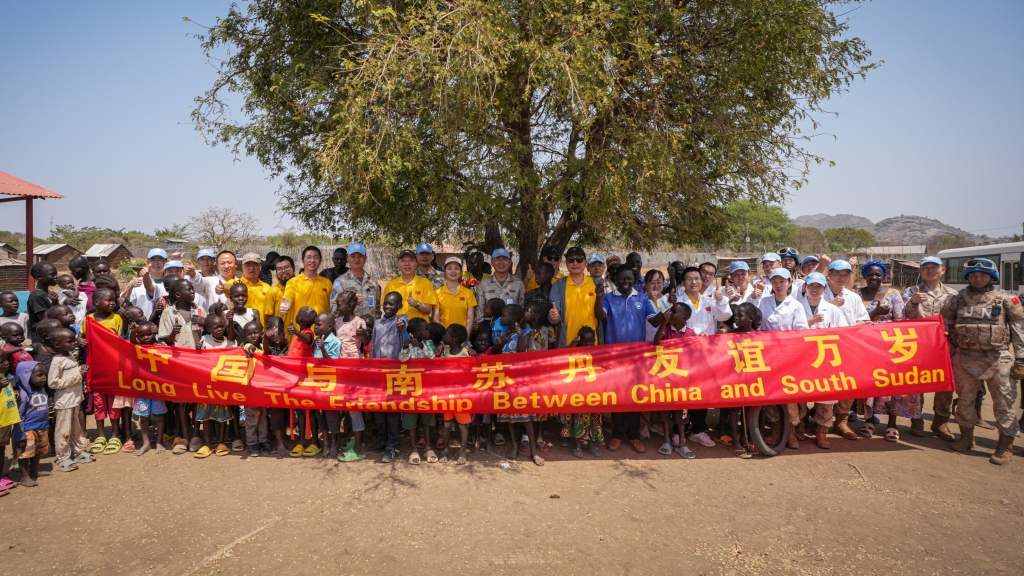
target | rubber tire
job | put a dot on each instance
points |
(753, 417)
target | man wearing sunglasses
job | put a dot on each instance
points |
(982, 321)
(552, 255)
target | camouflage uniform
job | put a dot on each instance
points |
(942, 402)
(981, 325)
(512, 288)
(436, 277)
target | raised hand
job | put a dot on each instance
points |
(190, 270)
(220, 288)
(553, 314)
(529, 273)
(818, 317)
(599, 289)
(401, 324)
(838, 301)
(918, 296)
(292, 330)
(672, 298)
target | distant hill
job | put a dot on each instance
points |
(902, 230)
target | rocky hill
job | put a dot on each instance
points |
(903, 229)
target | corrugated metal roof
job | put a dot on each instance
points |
(895, 250)
(43, 249)
(10, 262)
(101, 250)
(14, 186)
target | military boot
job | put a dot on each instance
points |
(966, 440)
(917, 427)
(1004, 450)
(775, 428)
(820, 437)
(792, 441)
(801, 432)
(842, 428)
(940, 426)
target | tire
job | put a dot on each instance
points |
(757, 422)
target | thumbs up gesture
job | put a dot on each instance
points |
(190, 270)
(529, 272)
(220, 288)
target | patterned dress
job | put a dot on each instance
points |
(906, 406)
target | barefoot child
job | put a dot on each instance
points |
(255, 418)
(327, 345)
(104, 299)
(33, 407)
(65, 377)
(351, 331)
(144, 333)
(455, 346)
(419, 345)
(216, 326)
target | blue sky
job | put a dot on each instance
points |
(95, 101)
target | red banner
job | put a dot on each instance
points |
(720, 371)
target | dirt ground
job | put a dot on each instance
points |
(864, 507)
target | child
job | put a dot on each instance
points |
(482, 422)
(275, 343)
(65, 377)
(255, 418)
(181, 311)
(216, 326)
(103, 406)
(352, 332)
(584, 428)
(675, 327)
(302, 347)
(370, 321)
(9, 416)
(40, 300)
(327, 345)
(144, 333)
(302, 341)
(545, 273)
(238, 316)
(14, 336)
(9, 313)
(490, 322)
(419, 345)
(537, 336)
(516, 339)
(388, 336)
(32, 435)
(455, 347)
(68, 290)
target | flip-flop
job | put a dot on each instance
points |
(67, 466)
(741, 453)
(129, 446)
(868, 430)
(180, 447)
(222, 450)
(297, 451)
(351, 456)
(414, 458)
(113, 446)
(421, 443)
(168, 438)
(312, 450)
(892, 435)
(349, 445)
(685, 452)
(439, 444)
(84, 458)
(195, 444)
(203, 452)
(431, 457)
(665, 450)
(7, 484)
(98, 445)
(237, 446)
(499, 440)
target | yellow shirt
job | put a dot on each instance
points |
(420, 288)
(532, 284)
(579, 307)
(112, 323)
(258, 293)
(301, 291)
(454, 308)
(272, 305)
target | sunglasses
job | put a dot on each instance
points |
(575, 259)
(553, 257)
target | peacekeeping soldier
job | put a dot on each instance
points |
(981, 321)
(924, 300)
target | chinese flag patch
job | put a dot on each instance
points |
(1015, 300)
(708, 309)
(463, 298)
(590, 293)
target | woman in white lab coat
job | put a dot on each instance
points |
(781, 311)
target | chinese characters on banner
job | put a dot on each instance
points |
(718, 371)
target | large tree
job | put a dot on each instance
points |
(525, 122)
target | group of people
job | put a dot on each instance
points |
(466, 306)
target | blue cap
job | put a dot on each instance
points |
(815, 278)
(174, 264)
(771, 257)
(595, 258)
(499, 253)
(738, 265)
(356, 248)
(840, 265)
(157, 252)
(206, 252)
(807, 259)
(780, 273)
(424, 247)
(931, 260)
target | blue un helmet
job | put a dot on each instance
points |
(790, 253)
(981, 265)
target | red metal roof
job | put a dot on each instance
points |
(13, 186)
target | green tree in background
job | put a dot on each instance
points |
(848, 239)
(808, 240)
(757, 227)
(527, 123)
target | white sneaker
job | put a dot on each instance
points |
(703, 439)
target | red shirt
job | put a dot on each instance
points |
(299, 349)
(15, 355)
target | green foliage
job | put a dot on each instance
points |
(526, 122)
(84, 238)
(767, 227)
(290, 239)
(808, 240)
(848, 239)
(948, 241)
(172, 231)
(124, 267)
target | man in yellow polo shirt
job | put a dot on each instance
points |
(258, 289)
(418, 296)
(309, 288)
(284, 270)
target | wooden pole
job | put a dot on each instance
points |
(29, 248)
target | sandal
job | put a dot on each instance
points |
(98, 445)
(7, 484)
(113, 446)
(203, 452)
(892, 435)
(868, 430)
(168, 438)
(84, 458)
(665, 450)
(222, 450)
(499, 440)
(297, 451)
(312, 450)
(67, 466)
(685, 452)
(180, 447)
(237, 446)
(414, 458)
(128, 447)
(439, 445)
(195, 444)
(421, 443)
(431, 457)
(351, 456)
(740, 452)
(542, 445)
